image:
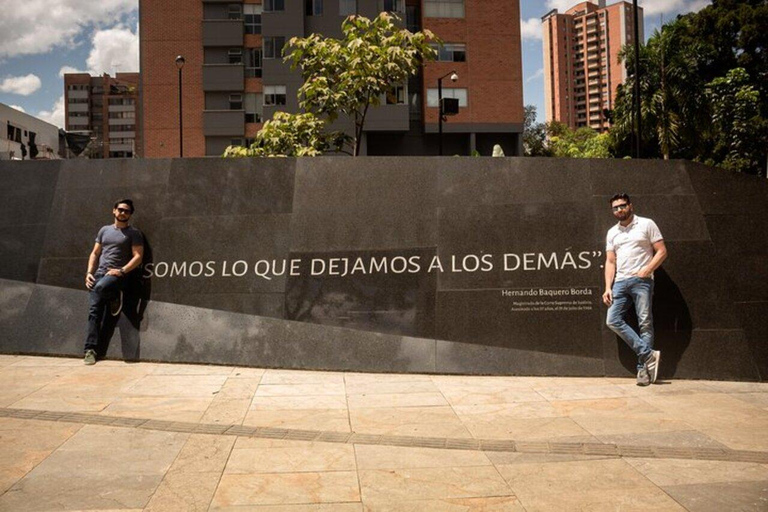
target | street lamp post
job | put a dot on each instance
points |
(638, 115)
(454, 77)
(180, 64)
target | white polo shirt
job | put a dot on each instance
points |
(632, 244)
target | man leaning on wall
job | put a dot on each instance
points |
(118, 250)
(634, 250)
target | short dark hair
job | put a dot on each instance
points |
(124, 201)
(623, 196)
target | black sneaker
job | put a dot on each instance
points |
(90, 357)
(116, 304)
(643, 379)
(652, 364)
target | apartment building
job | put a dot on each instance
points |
(582, 71)
(104, 108)
(25, 137)
(234, 78)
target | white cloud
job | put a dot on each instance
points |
(561, 5)
(54, 116)
(69, 69)
(530, 28)
(535, 76)
(24, 85)
(20, 109)
(37, 26)
(114, 49)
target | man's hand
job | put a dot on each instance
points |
(115, 272)
(89, 280)
(608, 297)
(644, 273)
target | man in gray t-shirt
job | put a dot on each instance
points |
(118, 250)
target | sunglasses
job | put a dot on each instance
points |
(620, 207)
(123, 210)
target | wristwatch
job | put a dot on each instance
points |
(122, 271)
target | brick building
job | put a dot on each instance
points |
(234, 77)
(581, 60)
(104, 108)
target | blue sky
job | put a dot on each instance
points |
(37, 43)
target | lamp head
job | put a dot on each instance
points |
(454, 77)
(180, 62)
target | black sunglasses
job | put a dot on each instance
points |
(123, 210)
(619, 207)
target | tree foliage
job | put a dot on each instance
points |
(289, 135)
(534, 134)
(684, 69)
(581, 143)
(349, 75)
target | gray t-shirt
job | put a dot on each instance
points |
(116, 246)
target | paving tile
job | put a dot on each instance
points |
(396, 400)
(674, 438)
(318, 389)
(431, 483)
(575, 392)
(238, 388)
(394, 457)
(315, 507)
(757, 399)
(253, 455)
(280, 403)
(246, 373)
(524, 429)
(286, 488)
(26, 443)
(669, 472)
(184, 491)
(506, 458)
(97, 468)
(336, 420)
(717, 497)
(204, 453)
(355, 379)
(301, 377)
(226, 411)
(7, 360)
(191, 369)
(159, 408)
(186, 386)
(495, 504)
(369, 388)
(640, 499)
(408, 421)
(46, 402)
(481, 394)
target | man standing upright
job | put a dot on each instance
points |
(634, 248)
(119, 250)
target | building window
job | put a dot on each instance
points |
(253, 110)
(252, 62)
(235, 55)
(235, 11)
(393, 6)
(274, 95)
(274, 5)
(252, 18)
(313, 7)
(395, 96)
(347, 7)
(451, 52)
(459, 94)
(273, 47)
(235, 102)
(443, 8)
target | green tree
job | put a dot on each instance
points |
(349, 75)
(289, 135)
(740, 134)
(534, 134)
(582, 143)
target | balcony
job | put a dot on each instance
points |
(227, 123)
(223, 32)
(223, 77)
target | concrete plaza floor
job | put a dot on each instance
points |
(120, 436)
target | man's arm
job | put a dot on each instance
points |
(93, 264)
(610, 273)
(659, 255)
(138, 255)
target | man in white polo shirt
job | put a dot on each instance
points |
(634, 248)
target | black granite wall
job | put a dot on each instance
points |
(449, 265)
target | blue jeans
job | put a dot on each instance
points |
(104, 290)
(637, 291)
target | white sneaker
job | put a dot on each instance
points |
(652, 364)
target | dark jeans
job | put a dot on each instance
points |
(637, 291)
(105, 289)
